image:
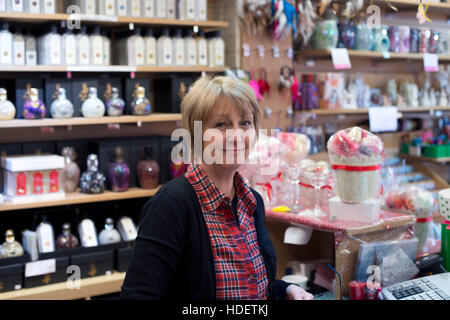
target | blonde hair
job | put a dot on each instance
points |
(206, 93)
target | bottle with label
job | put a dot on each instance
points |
(84, 47)
(71, 172)
(127, 229)
(190, 49)
(107, 7)
(115, 105)
(148, 8)
(18, 48)
(211, 47)
(171, 9)
(33, 107)
(61, 108)
(109, 234)
(119, 172)
(93, 107)
(136, 49)
(202, 49)
(45, 237)
(15, 5)
(6, 45)
(32, 6)
(96, 44)
(216, 50)
(150, 48)
(165, 50)
(106, 48)
(122, 8)
(161, 9)
(66, 240)
(148, 170)
(7, 109)
(69, 48)
(134, 8)
(181, 4)
(48, 6)
(49, 47)
(88, 233)
(3, 9)
(140, 105)
(92, 180)
(30, 49)
(201, 7)
(189, 10)
(86, 6)
(11, 247)
(178, 48)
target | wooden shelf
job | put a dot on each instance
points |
(371, 55)
(24, 17)
(180, 69)
(90, 287)
(112, 68)
(442, 160)
(81, 198)
(412, 4)
(365, 110)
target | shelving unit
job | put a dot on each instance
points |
(443, 160)
(112, 68)
(366, 111)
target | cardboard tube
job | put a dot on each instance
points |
(444, 244)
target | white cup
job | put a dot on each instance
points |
(297, 234)
(297, 279)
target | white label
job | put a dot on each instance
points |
(161, 9)
(431, 62)
(39, 268)
(139, 51)
(219, 52)
(84, 50)
(276, 51)
(310, 63)
(246, 50)
(135, 8)
(19, 51)
(18, 287)
(49, 6)
(70, 46)
(6, 49)
(55, 49)
(179, 52)
(110, 7)
(289, 53)
(382, 119)
(34, 6)
(386, 54)
(16, 5)
(149, 8)
(121, 8)
(190, 9)
(340, 58)
(2, 5)
(90, 7)
(151, 52)
(97, 50)
(171, 9)
(202, 53)
(202, 9)
(261, 51)
(167, 51)
(191, 53)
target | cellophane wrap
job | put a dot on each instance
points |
(359, 151)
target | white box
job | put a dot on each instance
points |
(368, 211)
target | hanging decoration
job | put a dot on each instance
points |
(422, 13)
(255, 15)
(284, 18)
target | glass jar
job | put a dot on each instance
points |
(148, 170)
(92, 180)
(66, 240)
(404, 35)
(424, 40)
(364, 37)
(325, 35)
(381, 42)
(119, 172)
(347, 35)
(414, 40)
(71, 171)
(394, 38)
(434, 42)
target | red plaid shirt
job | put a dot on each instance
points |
(239, 266)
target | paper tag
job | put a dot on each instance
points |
(310, 63)
(276, 51)
(431, 62)
(39, 268)
(340, 58)
(261, 51)
(246, 49)
(382, 119)
(289, 53)
(386, 54)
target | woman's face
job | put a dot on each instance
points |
(228, 135)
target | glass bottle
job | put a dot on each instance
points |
(381, 42)
(33, 107)
(61, 108)
(148, 8)
(11, 248)
(6, 39)
(404, 36)
(45, 236)
(178, 48)
(201, 10)
(122, 8)
(161, 9)
(109, 234)
(325, 35)
(106, 48)
(88, 233)
(202, 49)
(119, 172)
(140, 105)
(347, 35)
(136, 49)
(434, 42)
(18, 47)
(165, 49)
(190, 49)
(219, 49)
(96, 45)
(92, 180)
(414, 40)
(84, 47)
(150, 48)
(7, 109)
(127, 229)
(93, 107)
(49, 47)
(115, 105)
(394, 38)
(66, 240)
(148, 170)
(189, 10)
(69, 48)
(364, 36)
(424, 40)
(30, 49)
(171, 9)
(71, 171)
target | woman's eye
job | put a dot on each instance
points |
(221, 125)
(246, 123)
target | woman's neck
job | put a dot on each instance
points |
(221, 177)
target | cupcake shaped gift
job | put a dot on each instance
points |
(355, 156)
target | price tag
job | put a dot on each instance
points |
(386, 54)
(310, 63)
(246, 49)
(276, 51)
(39, 268)
(382, 119)
(261, 51)
(431, 62)
(340, 58)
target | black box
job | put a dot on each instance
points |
(137, 146)
(94, 264)
(130, 87)
(169, 92)
(123, 256)
(103, 84)
(81, 150)
(166, 146)
(12, 272)
(80, 92)
(51, 91)
(42, 147)
(22, 86)
(59, 276)
(105, 150)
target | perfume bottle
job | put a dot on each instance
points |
(109, 234)
(11, 248)
(61, 108)
(115, 105)
(45, 236)
(34, 108)
(93, 107)
(88, 233)
(148, 170)
(141, 105)
(7, 109)
(66, 240)
(119, 172)
(92, 180)
(71, 171)
(127, 229)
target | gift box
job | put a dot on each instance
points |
(170, 91)
(123, 256)
(38, 148)
(60, 275)
(367, 211)
(11, 273)
(436, 151)
(94, 264)
(80, 92)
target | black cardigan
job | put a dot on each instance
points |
(173, 256)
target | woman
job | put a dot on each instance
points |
(202, 236)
